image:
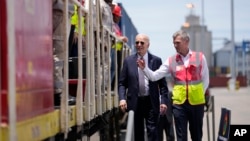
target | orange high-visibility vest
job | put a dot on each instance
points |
(187, 81)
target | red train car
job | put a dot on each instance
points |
(27, 111)
(33, 62)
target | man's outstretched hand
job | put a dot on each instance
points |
(141, 63)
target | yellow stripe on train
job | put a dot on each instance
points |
(40, 127)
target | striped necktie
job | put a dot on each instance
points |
(141, 81)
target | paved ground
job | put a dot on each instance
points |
(237, 101)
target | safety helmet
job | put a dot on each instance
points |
(117, 11)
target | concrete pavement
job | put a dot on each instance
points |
(237, 101)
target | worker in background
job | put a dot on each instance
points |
(106, 20)
(74, 31)
(117, 13)
(58, 47)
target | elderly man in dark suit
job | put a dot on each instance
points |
(141, 95)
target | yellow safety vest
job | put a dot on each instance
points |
(118, 46)
(74, 21)
(187, 81)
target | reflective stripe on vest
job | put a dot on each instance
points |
(187, 81)
(190, 82)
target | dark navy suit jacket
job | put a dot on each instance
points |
(129, 83)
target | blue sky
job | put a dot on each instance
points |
(161, 18)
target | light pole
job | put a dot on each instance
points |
(202, 12)
(202, 27)
(232, 81)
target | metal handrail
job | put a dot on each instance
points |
(64, 96)
(97, 99)
(210, 108)
(130, 127)
(89, 105)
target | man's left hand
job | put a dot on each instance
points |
(163, 109)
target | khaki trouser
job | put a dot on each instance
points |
(58, 50)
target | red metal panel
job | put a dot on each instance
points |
(73, 87)
(3, 59)
(33, 44)
(34, 62)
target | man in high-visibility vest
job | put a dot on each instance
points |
(191, 79)
(74, 31)
(58, 49)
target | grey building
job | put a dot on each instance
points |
(222, 59)
(201, 38)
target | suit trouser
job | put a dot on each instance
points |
(58, 50)
(166, 124)
(145, 112)
(192, 114)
